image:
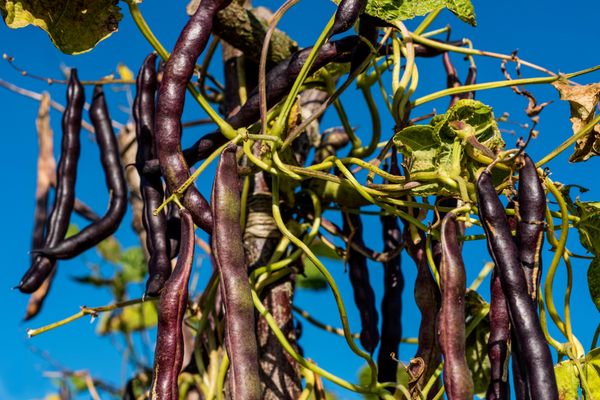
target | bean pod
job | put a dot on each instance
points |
(364, 297)
(228, 252)
(110, 158)
(451, 318)
(168, 356)
(66, 176)
(524, 319)
(498, 343)
(177, 73)
(530, 228)
(151, 187)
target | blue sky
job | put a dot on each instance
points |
(558, 36)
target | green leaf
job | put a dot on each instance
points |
(110, 250)
(321, 250)
(589, 225)
(567, 380)
(78, 382)
(312, 279)
(593, 276)
(449, 145)
(400, 10)
(73, 27)
(343, 193)
(134, 265)
(133, 318)
(364, 379)
(96, 281)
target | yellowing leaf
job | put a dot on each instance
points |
(566, 380)
(130, 319)
(399, 10)
(73, 27)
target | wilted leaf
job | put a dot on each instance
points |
(312, 279)
(566, 380)
(400, 10)
(110, 249)
(73, 27)
(593, 275)
(130, 319)
(134, 265)
(583, 101)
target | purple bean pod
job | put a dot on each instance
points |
(530, 228)
(523, 314)
(168, 356)
(151, 187)
(364, 297)
(228, 252)
(171, 97)
(451, 318)
(110, 158)
(66, 175)
(498, 342)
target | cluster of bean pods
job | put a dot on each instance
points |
(164, 169)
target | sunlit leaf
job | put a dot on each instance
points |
(399, 10)
(73, 27)
(593, 276)
(566, 380)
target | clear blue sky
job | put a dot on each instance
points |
(554, 34)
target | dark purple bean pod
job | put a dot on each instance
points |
(177, 73)
(279, 81)
(523, 314)
(66, 176)
(364, 296)
(521, 387)
(168, 356)
(498, 342)
(228, 253)
(451, 318)
(346, 15)
(427, 298)
(391, 304)
(452, 80)
(173, 231)
(368, 32)
(530, 228)
(151, 187)
(97, 231)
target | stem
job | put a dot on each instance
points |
(93, 311)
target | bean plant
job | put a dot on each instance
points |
(290, 193)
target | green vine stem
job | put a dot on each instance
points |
(93, 311)
(280, 122)
(336, 293)
(374, 389)
(499, 84)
